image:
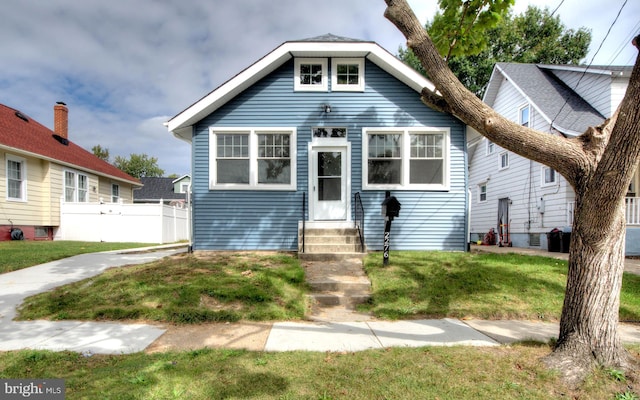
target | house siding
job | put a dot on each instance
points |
(521, 183)
(260, 219)
(35, 210)
(594, 88)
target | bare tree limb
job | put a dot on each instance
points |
(539, 146)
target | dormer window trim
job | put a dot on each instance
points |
(305, 71)
(347, 74)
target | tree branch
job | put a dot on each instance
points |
(566, 156)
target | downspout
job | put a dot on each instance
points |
(468, 227)
(189, 222)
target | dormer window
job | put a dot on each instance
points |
(311, 74)
(347, 74)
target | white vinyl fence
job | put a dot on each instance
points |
(113, 222)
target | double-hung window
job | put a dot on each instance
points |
(252, 158)
(115, 193)
(482, 192)
(490, 147)
(549, 176)
(406, 158)
(16, 178)
(524, 115)
(76, 187)
(503, 161)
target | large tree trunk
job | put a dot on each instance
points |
(599, 165)
(589, 323)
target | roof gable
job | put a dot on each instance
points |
(562, 107)
(321, 46)
(156, 188)
(24, 135)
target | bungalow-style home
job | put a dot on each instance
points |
(42, 168)
(312, 136)
(524, 201)
(169, 191)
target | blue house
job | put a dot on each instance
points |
(313, 134)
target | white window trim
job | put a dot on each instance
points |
(23, 183)
(76, 187)
(486, 191)
(500, 155)
(298, 87)
(253, 159)
(520, 109)
(543, 170)
(491, 147)
(118, 198)
(335, 86)
(405, 152)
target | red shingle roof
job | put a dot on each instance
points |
(32, 137)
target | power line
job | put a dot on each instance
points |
(625, 42)
(608, 32)
(556, 9)
(592, 59)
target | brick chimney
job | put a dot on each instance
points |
(61, 120)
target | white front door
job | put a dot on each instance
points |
(329, 173)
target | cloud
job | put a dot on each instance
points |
(123, 68)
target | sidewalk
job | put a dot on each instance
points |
(79, 336)
(120, 338)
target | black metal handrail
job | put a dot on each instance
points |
(304, 216)
(358, 219)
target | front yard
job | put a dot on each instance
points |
(227, 287)
(224, 287)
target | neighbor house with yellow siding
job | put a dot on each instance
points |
(40, 168)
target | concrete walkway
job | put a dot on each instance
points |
(120, 338)
(86, 337)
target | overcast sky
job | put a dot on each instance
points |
(125, 67)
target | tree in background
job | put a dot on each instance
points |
(139, 165)
(101, 153)
(599, 165)
(535, 36)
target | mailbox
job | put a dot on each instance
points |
(391, 207)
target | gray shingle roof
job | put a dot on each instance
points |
(329, 37)
(553, 97)
(156, 189)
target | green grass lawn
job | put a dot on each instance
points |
(186, 288)
(15, 255)
(506, 372)
(192, 288)
(252, 286)
(476, 285)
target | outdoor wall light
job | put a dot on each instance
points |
(327, 108)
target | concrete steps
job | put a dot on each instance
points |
(329, 244)
(338, 286)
